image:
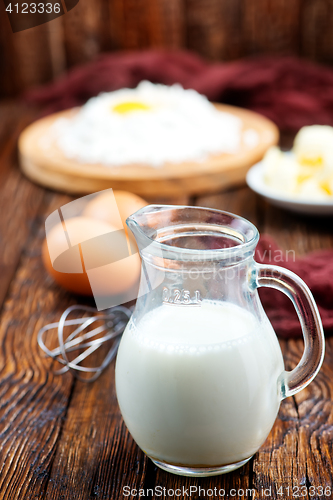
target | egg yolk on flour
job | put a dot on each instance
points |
(129, 106)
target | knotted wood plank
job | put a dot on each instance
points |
(33, 401)
(271, 27)
(86, 31)
(96, 457)
(19, 199)
(216, 30)
(316, 40)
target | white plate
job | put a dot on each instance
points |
(255, 180)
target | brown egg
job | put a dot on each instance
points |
(102, 207)
(97, 249)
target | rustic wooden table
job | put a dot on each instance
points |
(65, 439)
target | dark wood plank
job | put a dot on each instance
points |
(302, 233)
(31, 57)
(33, 401)
(203, 27)
(56, 36)
(86, 31)
(8, 83)
(239, 201)
(316, 37)
(217, 30)
(271, 27)
(95, 451)
(10, 114)
(232, 46)
(142, 24)
(315, 413)
(172, 20)
(19, 199)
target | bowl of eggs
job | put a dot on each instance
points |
(300, 180)
(88, 250)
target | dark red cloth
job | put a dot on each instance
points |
(316, 269)
(290, 91)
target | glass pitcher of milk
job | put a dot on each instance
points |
(199, 372)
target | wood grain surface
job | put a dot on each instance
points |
(63, 439)
(216, 29)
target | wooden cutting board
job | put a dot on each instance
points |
(43, 162)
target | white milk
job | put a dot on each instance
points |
(198, 385)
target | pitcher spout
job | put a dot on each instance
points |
(192, 233)
(144, 224)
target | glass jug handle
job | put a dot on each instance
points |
(294, 287)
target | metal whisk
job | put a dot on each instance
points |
(113, 320)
